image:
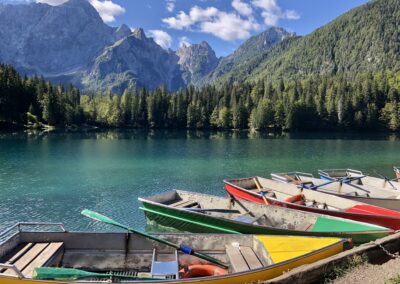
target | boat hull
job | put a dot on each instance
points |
(297, 251)
(201, 223)
(392, 222)
(237, 278)
(392, 204)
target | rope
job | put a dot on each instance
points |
(392, 255)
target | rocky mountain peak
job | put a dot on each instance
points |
(139, 34)
(122, 32)
(196, 61)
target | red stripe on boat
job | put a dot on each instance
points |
(373, 210)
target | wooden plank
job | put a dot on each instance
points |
(236, 259)
(19, 253)
(176, 204)
(250, 257)
(27, 258)
(42, 258)
(184, 203)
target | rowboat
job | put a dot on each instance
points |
(389, 199)
(202, 213)
(290, 196)
(397, 172)
(32, 254)
(382, 183)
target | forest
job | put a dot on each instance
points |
(368, 101)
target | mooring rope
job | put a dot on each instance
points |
(392, 255)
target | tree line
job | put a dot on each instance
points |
(368, 101)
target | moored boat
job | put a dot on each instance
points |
(389, 199)
(202, 213)
(361, 178)
(56, 256)
(290, 196)
(397, 172)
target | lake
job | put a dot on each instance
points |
(52, 177)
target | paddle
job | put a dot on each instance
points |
(259, 190)
(185, 249)
(241, 205)
(54, 273)
(342, 180)
(386, 179)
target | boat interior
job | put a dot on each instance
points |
(290, 193)
(239, 211)
(347, 189)
(125, 254)
(365, 180)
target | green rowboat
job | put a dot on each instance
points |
(201, 213)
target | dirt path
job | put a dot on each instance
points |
(371, 274)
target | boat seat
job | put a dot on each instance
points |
(165, 268)
(251, 220)
(185, 204)
(34, 255)
(242, 258)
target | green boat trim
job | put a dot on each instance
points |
(302, 223)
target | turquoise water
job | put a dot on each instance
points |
(52, 177)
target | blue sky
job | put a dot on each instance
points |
(224, 24)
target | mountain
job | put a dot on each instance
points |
(134, 61)
(47, 40)
(365, 39)
(196, 61)
(254, 46)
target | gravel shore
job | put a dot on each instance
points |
(371, 274)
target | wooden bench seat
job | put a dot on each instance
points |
(32, 256)
(184, 203)
(242, 258)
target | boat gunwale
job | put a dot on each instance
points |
(310, 234)
(229, 182)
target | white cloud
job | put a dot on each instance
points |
(272, 13)
(292, 15)
(170, 5)
(52, 2)
(242, 8)
(184, 41)
(225, 25)
(162, 38)
(107, 9)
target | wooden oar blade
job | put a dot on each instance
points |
(101, 218)
(54, 273)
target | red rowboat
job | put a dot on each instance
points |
(262, 190)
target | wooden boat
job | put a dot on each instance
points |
(397, 172)
(290, 196)
(389, 199)
(381, 183)
(201, 213)
(249, 258)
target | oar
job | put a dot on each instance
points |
(182, 248)
(54, 273)
(241, 205)
(386, 179)
(343, 180)
(259, 190)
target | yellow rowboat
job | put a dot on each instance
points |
(249, 258)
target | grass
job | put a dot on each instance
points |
(393, 280)
(340, 270)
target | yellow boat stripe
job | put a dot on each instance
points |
(281, 249)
